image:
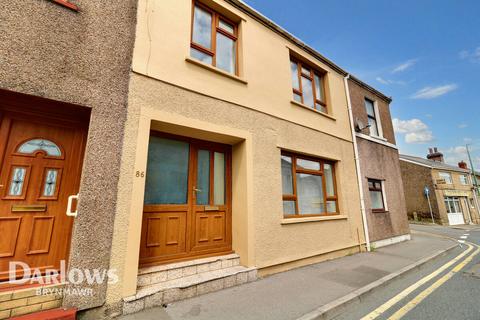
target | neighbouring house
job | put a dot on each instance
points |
(184, 146)
(450, 189)
(379, 172)
(63, 105)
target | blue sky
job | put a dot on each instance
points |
(423, 53)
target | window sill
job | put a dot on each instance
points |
(378, 138)
(215, 69)
(313, 219)
(380, 211)
(311, 109)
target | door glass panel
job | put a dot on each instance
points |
(34, 145)
(202, 27)
(219, 178)
(167, 171)
(50, 183)
(203, 177)
(310, 194)
(18, 179)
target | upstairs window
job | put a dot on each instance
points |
(372, 117)
(463, 179)
(308, 86)
(446, 176)
(214, 39)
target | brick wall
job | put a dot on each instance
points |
(20, 302)
(415, 178)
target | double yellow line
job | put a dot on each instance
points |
(425, 293)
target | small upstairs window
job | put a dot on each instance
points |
(463, 179)
(372, 118)
(446, 176)
(214, 39)
(308, 86)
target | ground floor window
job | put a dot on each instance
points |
(375, 187)
(309, 187)
(453, 205)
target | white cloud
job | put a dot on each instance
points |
(462, 125)
(405, 66)
(472, 56)
(389, 81)
(467, 140)
(434, 92)
(454, 155)
(414, 129)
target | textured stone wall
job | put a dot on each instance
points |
(84, 58)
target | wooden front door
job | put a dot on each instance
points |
(187, 211)
(41, 161)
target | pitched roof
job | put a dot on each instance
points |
(432, 164)
(241, 5)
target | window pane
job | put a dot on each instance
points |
(373, 127)
(287, 179)
(294, 69)
(320, 108)
(306, 71)
(331, 206)
(167, 171)
(219, 178)
(297, 97)
(50, 183)
(370, 108)
(310, 194)
(225, 53)
(18, 179)
(446, 176)
(330, 186)
(288, 207)
(377, 199)
(307, 92)
(203, 177)
(35, 145)
(319, 88)
(307, 164)
(226, 26)
(199, 55)
(202, 28)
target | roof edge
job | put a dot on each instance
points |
(371, 89)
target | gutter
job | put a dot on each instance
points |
(357, 164)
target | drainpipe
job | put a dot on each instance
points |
(357, 164)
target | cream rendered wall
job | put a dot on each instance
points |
(163, 43)
(254, 114)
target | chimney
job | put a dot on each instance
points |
(435, 155)
(462, 164)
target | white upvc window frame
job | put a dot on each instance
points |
(450, 180)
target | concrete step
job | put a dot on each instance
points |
(158, 274)
(187, 287)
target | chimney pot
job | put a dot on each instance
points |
(462, 164)
(435, 149)
(435, 155)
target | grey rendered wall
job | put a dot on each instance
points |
(84, 58)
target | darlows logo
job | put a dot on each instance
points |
(53, 276)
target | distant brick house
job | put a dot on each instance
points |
(451, 193)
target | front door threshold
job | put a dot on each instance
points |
(178, 281)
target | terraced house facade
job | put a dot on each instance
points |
(210, 147)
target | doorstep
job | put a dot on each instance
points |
(160, 285)
(18, 302)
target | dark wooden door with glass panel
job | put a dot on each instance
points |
(187, 211)
(41, 162)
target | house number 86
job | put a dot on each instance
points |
(140, 174)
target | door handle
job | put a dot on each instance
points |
(69, 205)
(197, 190)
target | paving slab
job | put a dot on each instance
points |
(292, 294)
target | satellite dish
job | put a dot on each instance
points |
(360, 126)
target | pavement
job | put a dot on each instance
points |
(317, 291)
